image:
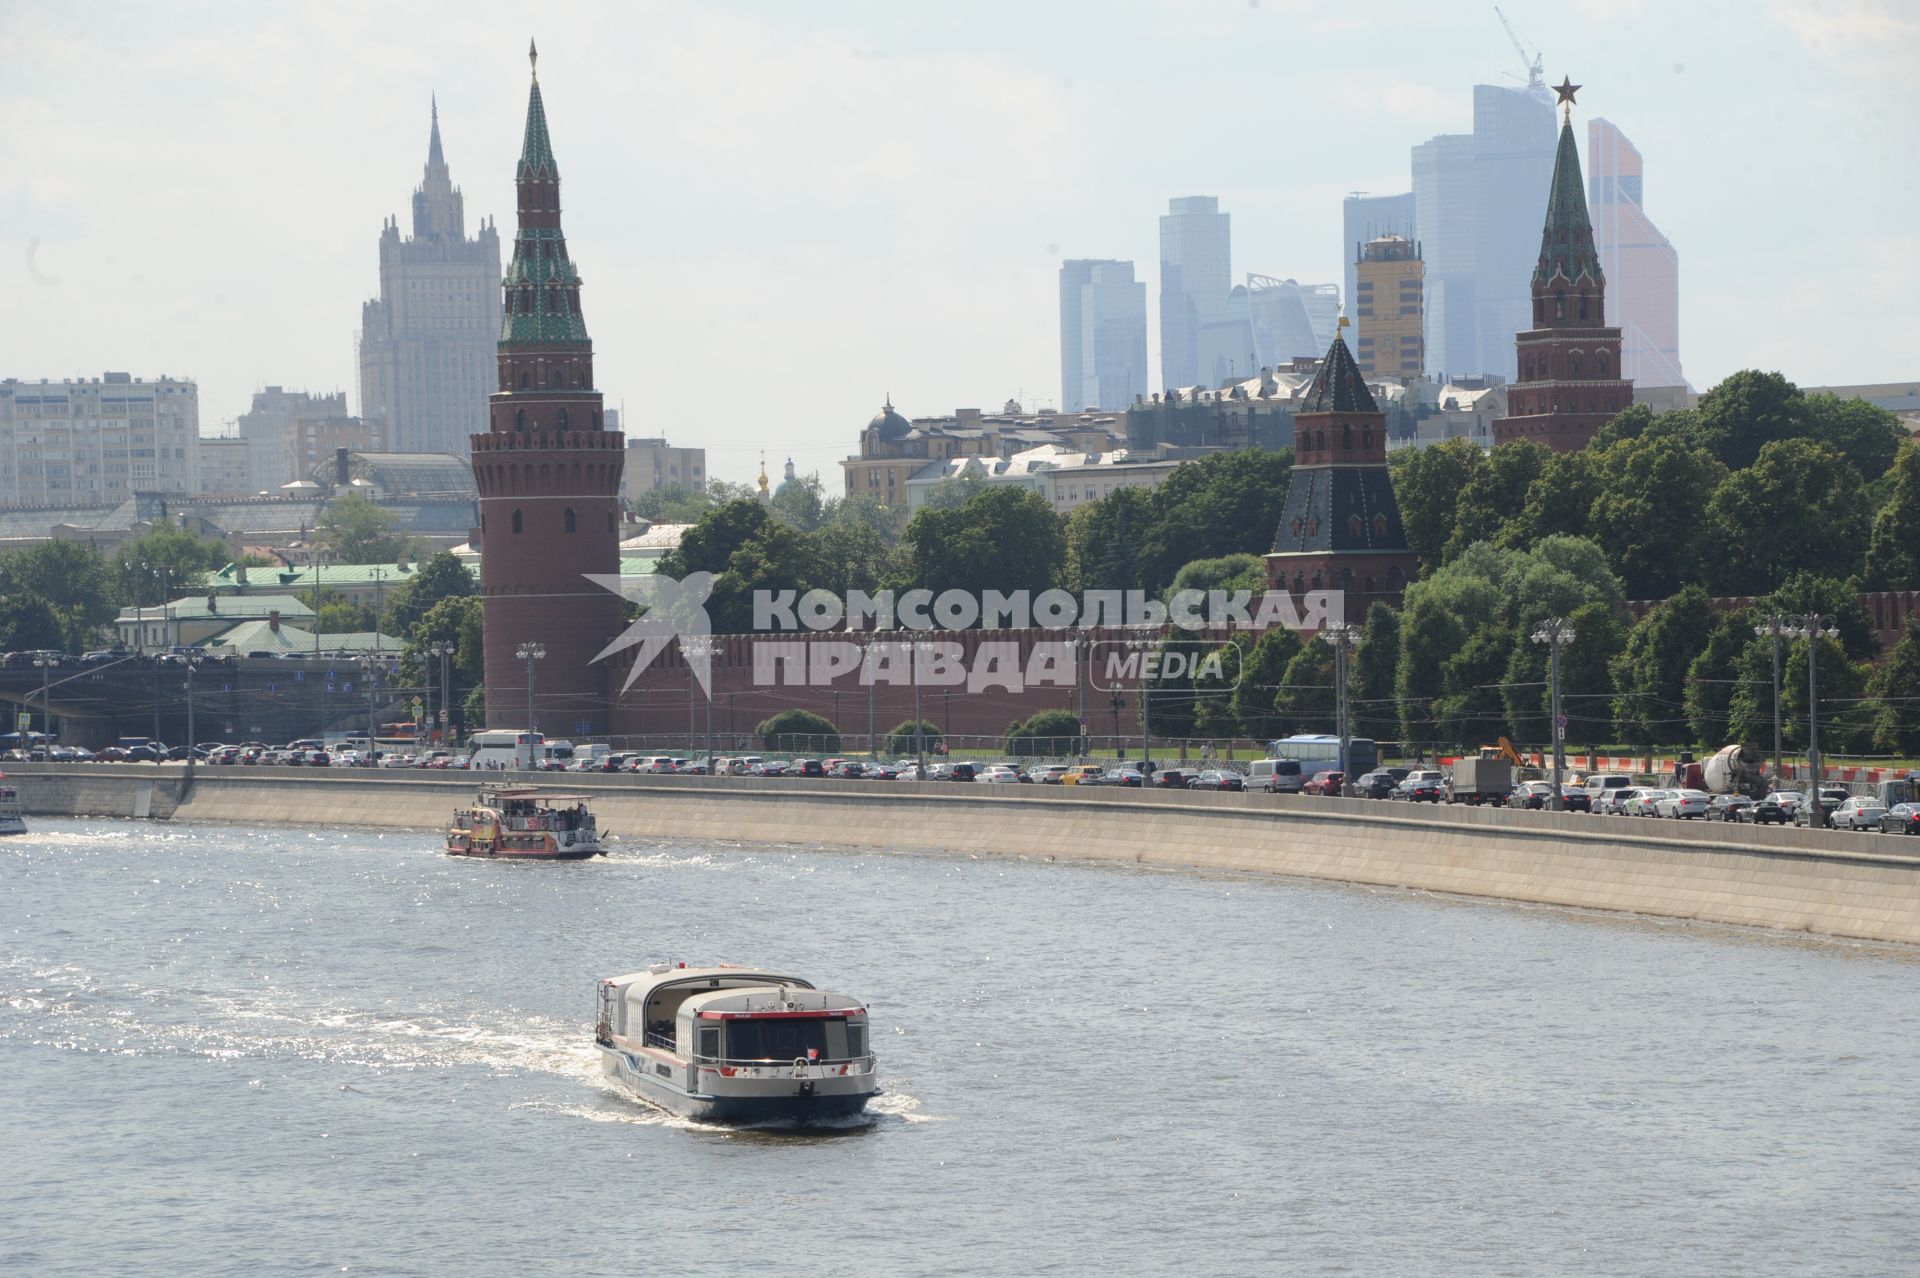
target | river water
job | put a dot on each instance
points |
(263, 1051)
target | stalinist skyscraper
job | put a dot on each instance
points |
(427, 342)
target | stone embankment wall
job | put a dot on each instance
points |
(1825, 882)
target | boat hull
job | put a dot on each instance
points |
(576, 852)
(796, 1101)
(12, 824)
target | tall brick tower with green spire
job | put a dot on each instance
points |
(1569, 382)
(549, 477)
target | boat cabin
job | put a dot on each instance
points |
(525, 809)
(732, 1016)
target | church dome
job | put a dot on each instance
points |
(889, 423)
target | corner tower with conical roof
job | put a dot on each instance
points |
(1568, 384)
(1341, 527)
(548, 472)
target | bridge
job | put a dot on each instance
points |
(244, 699)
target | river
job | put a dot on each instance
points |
(229, 1050)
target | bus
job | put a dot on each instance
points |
(1318, 752)
(506, 747)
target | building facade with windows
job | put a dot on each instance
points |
(97, 441)
(1389, 308)
(1641, 265)
(427, 342)
(1196, 276)
(1103, 335)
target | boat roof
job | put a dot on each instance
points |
(529, 792)
(662, 974)
(763, 1000)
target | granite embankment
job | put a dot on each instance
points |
(1824, 882)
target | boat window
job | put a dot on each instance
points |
(710, 1043)
(856, 1040)
(775, 1040)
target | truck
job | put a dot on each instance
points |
(1481, 781)
(1735, 769)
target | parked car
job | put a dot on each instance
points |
(1081, 774)
(1645, 803)
(846, 769)
(1421, 786)
(1901, 818)
(1377, 784)
(1051, 774)
(1831, 800)
(1860, 812)
(1575, 798)
(1217, 779)
(968, 772)
(1326, 782)
(1682, 805)
(1767, 811)
(1124, 775)
(809, 768)
(1172, 778)
(1789, 801)
(1530, 794)
(883, 772)
(998, 774)
(1276, 776)
(908, 772)
(1728, 807)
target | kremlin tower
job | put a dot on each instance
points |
(1341, 526)
(548, 475)
(1569, 383)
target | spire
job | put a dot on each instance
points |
(1566, 242)
(435, 159)
(1338, 387)
(536, 149)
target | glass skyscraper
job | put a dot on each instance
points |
(1364, 218)
(1195, 280)
(1103, 335)
(1642, 268)
(1479, 199)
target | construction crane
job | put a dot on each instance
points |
(1536, 81)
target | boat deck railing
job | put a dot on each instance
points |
(864, 1064)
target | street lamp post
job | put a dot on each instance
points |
(866, 672)
(369, 666)
(46, 706)
(1813, 627)
(442, 649)
(1556, 633)
(1343, 639)
(1772, 628)
(919, 646)
(530, 653)
(193, 664)
(700, 648)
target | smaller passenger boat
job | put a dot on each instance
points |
(735, 1044)
(11, 821)
(524, 822)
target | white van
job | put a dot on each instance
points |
(1601, 782)
(1275, 776)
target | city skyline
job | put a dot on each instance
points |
(709, 211)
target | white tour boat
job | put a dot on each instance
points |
(735, 1044)
(11, 822)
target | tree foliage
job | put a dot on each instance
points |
(1050, 732)
(1795, 508)
(911, 735)
(793, 730)
(1893, 550)
(1427, 483)
(1003, 539)
(441, 577)
(357, 531)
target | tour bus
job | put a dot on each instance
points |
(1317, 753)
(506, 747)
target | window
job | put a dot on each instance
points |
(1583, 306)
(556, 380)
(560, 420)
(519, 419)
(1560, 305)
(519, 525)
(526, 381)
(569, 520)
(710, 1042)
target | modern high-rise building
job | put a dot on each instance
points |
(1196, 319)
(548, 472)
(81, 442)
(427, 342)
(1103, 335)
(1368, 217)
(1569, 384)
(1643, 271)
(1387, 308)
(1289, 320)
(1477, 198)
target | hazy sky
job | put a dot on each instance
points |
(784, 211)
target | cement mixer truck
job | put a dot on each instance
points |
(1737, 769)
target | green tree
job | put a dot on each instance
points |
(1651, 514)
(799, 730)
(1222, 504)
(28, 624)
(1649, 677)
(954, 491)
(672, 504)
(1712, 677)
(1003, 539)
(165, 559)
(1837, 597)
(1745, 413)
(1558, 502)
(1214, 687)
(800, 502)
(1847, 712)
(746, 549)
(457, 620)
(335, 614)
(1227, 573)
(901, 741)
(1896, 698)
(1432, 628)
(1050, 732)
(1586, 675)
(1370, 696)
(1252, 701)
(1103, 539)
(441, 577)
(1427, 483)
(1868, 436)
(1796, 507)
(862, 510)
(1893, 550)
(1469, 709)
(850, 556)
(1305, 702)
(356, 531)
(1496, 494)
(73, 581)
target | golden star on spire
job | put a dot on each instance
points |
(1566, 89)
